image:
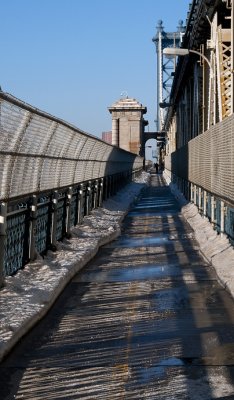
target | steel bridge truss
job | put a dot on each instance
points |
(221, 58)
(165, 68)
(200, 122)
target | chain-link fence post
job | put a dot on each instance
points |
(195, 195)
(100, 194)
(191, 192)
(213, 205)
(222, 218)
(3, 233)
(54, 220)
(95, 200)
(199, 199)
(80, 204)
(33, 222)
(204, 203)
(88, 198)
(68, 212)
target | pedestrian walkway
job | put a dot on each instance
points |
(145, 319)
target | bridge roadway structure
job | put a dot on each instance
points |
(145, 319)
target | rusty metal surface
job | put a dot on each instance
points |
(146, 319)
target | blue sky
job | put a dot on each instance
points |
(74, 58)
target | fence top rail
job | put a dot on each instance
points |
(20, 103)
(26, 106)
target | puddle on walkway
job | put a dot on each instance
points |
(172, 299)
(130, 274)
(139, 242)
(146, 206)
(170, 213)
(159, 370)
(166, 234)
(149, 272)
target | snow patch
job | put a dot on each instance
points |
(27, 296)
(214, 247)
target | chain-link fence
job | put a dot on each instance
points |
(51, 175)
(207, 163)
(39, 152)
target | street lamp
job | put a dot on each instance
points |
(175, 51)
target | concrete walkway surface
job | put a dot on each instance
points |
(146, 318)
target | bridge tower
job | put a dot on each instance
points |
(165, 67)
(128, 124)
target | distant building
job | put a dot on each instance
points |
(127, 124)
(107, 137)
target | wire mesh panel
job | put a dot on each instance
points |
(208, 206)
(218, 214)
(207, 160)
(16, 242)
(39, 152)
(74, 208)
(43, 226)
(61, 217)
(229, 223)
(57, 168)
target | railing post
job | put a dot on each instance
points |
(54, 220)
(95, 200)
(33, 222)
(204, 203)
(80, 203)
(3, 234)
(195, 194)
(68, 212)
(87, 198)
(199, 199)
(191, 192)
(212, 210)
(222, 218)
(100, 193)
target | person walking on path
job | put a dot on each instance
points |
(156, 167)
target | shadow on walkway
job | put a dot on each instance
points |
(145, 319)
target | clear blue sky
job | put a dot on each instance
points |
(74, 58)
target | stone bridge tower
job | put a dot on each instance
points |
(128, 124)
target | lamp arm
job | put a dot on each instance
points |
(205, 58)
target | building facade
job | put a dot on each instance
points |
(107, 137)
(128, 124)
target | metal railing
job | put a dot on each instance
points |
(204, 171)
(51, 175)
